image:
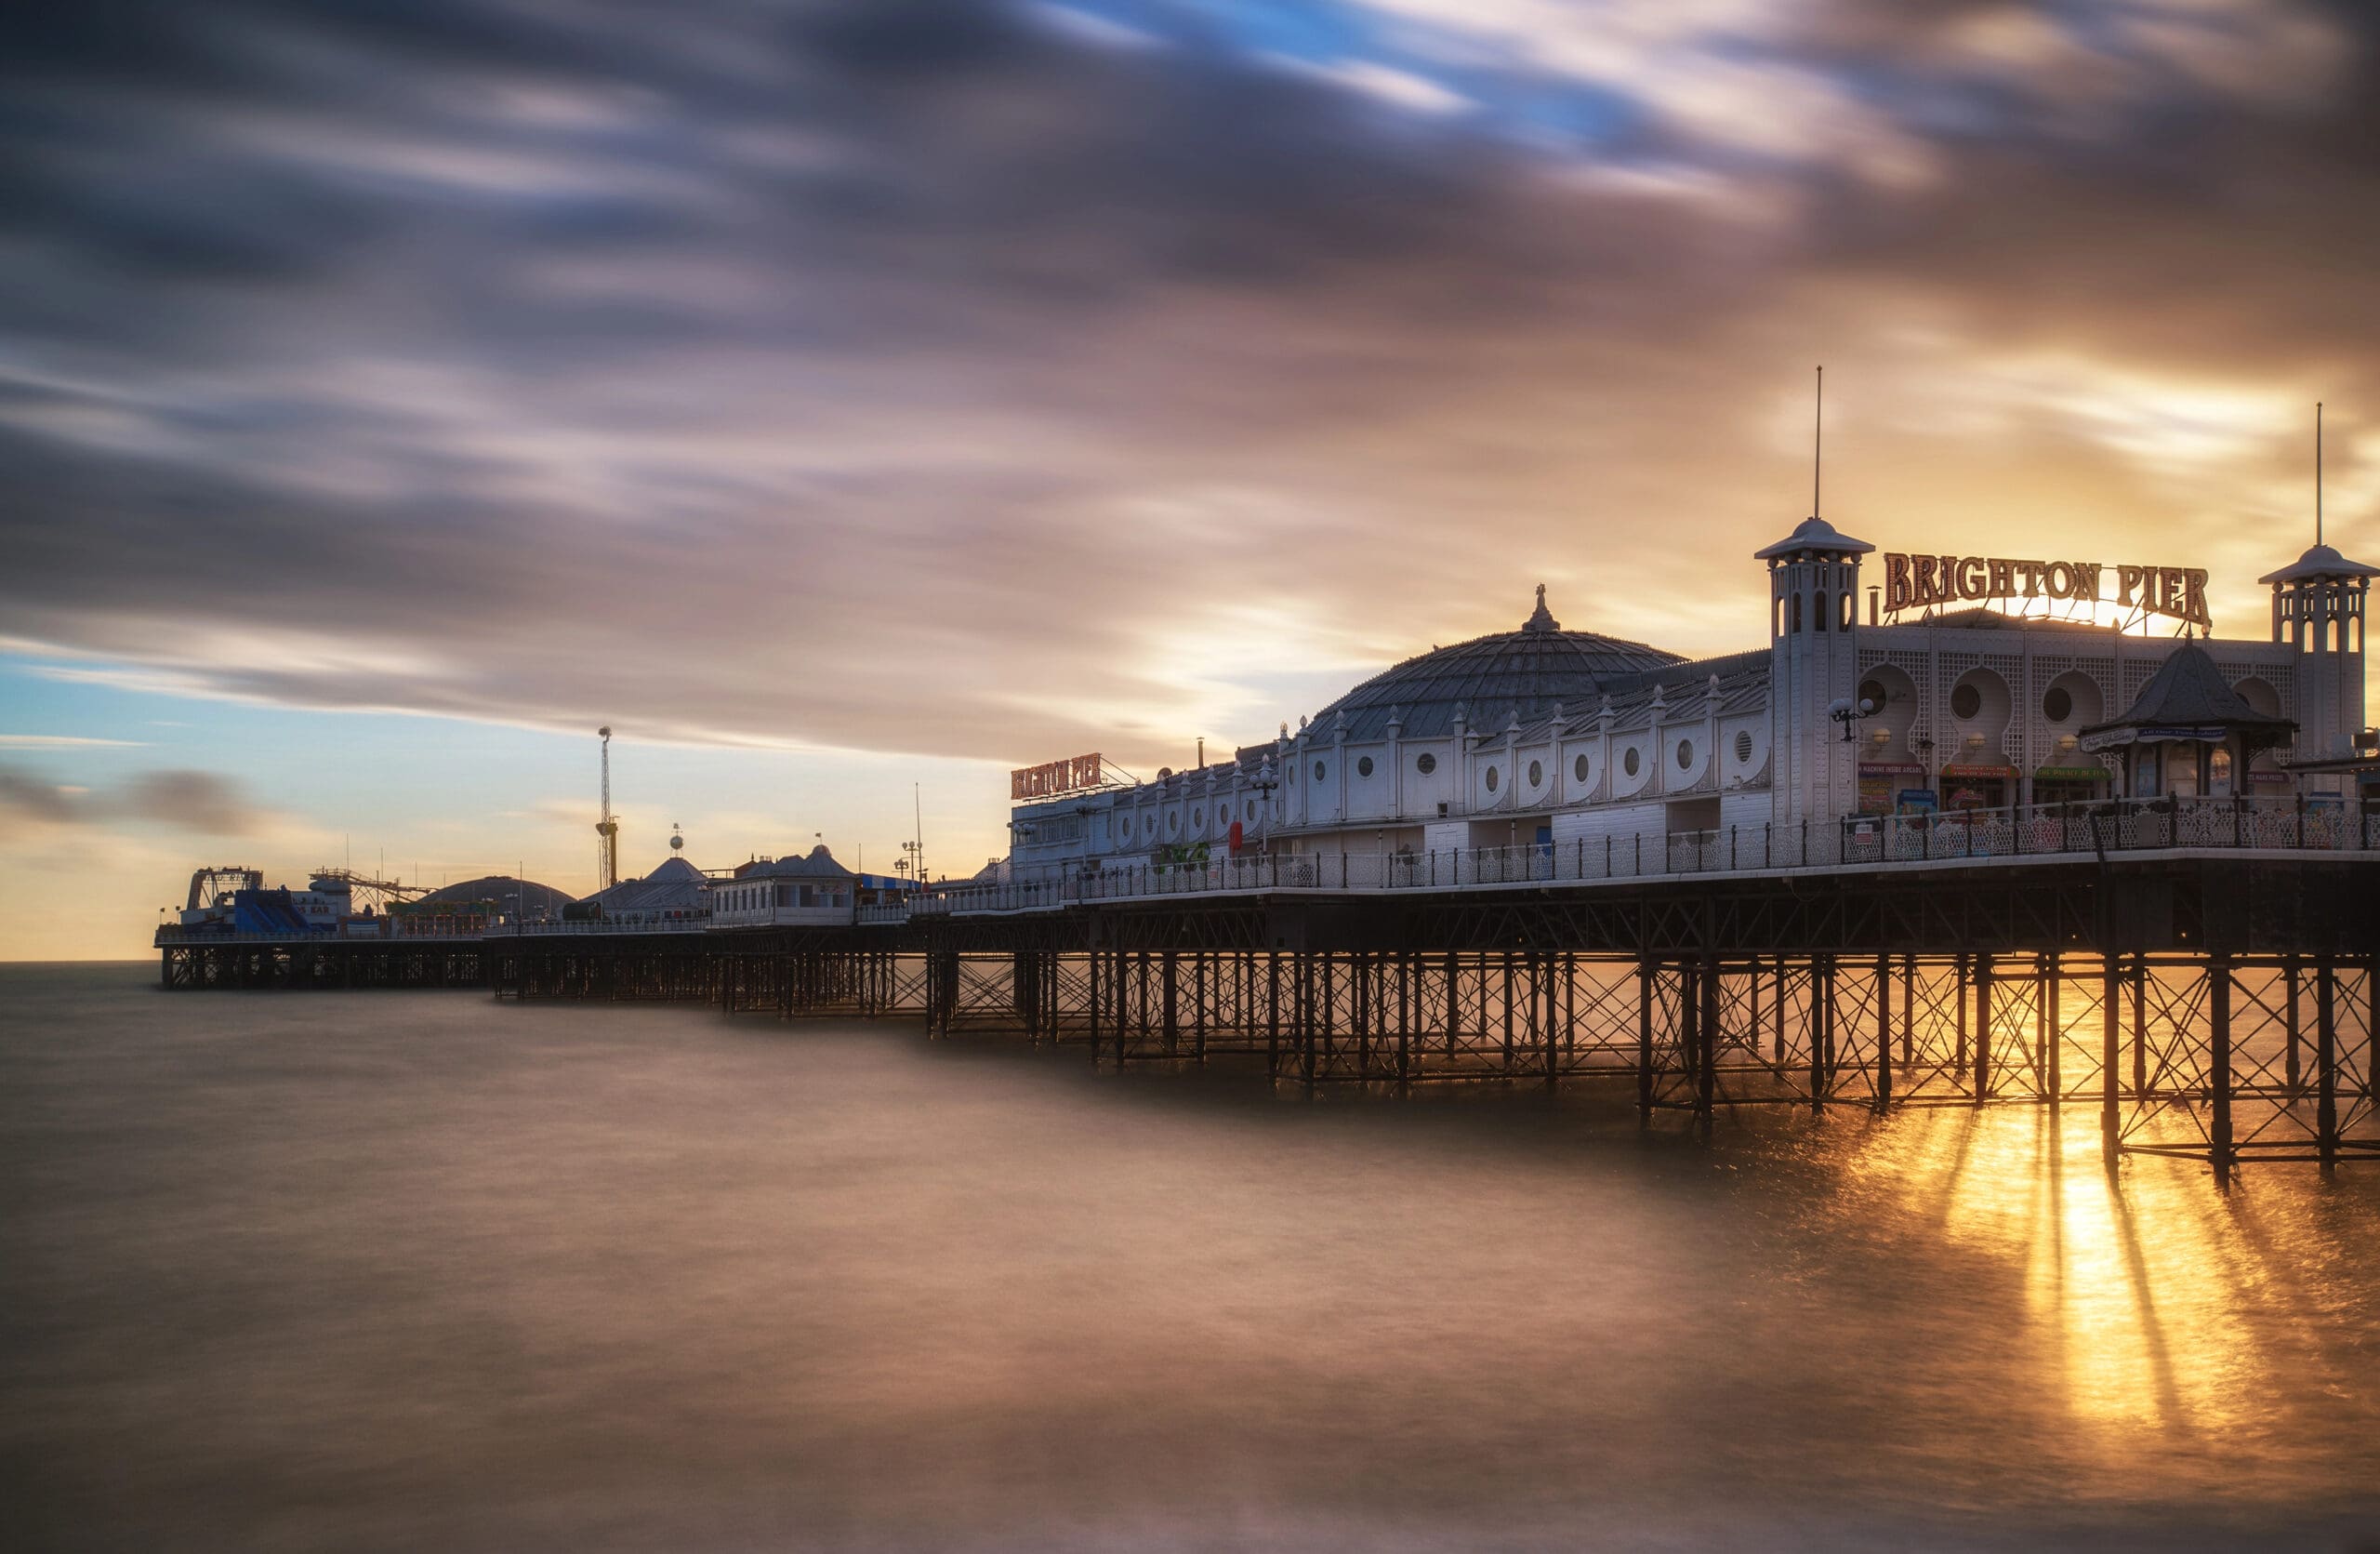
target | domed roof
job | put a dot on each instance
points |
(1488, 678)
(2322, 561)
(1813, 535)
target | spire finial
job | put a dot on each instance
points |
(1817, 440)
(1541, 619)
(2317, 472)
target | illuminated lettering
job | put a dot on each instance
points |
(1915, 581)
(1897, 587)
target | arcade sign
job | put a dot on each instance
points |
(1053, 778)
(1914, 583)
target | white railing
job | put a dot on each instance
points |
(176, 936)
(631, 922)
(2040, 831)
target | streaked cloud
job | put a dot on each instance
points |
(63, 741)
(201, 803)
(997, 381)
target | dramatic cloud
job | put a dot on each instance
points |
(990, 381)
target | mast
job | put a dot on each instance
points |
(607, 829)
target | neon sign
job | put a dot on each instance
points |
(1914, 582)
(1053, 778)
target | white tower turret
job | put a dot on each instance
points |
(2318, 607)
(1813, 591)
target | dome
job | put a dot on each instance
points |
(1488, 678)
(2322, 561)
(1814, 534)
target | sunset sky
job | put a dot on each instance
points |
(835, 398)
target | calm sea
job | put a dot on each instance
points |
(424, 1271)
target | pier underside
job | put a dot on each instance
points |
(2222, 1011)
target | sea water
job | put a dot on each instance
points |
(398, 1270)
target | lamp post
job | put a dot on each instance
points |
(1266, 783)
(1848, 712)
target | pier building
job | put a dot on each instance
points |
(1954, 685)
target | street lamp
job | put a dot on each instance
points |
(1848, 712)
(1266, 783)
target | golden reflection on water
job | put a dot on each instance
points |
(2156, 1314)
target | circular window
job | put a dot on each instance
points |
(1965, 701)
(1426, 762)
(1578, 768)
(1317, 771)
(1491, 779)
(1173, 822)
(1684, 754)
(1872, 692)
(1536, 773)
(1629, 762)
(1364, 766)
(1198, 817)
(1252, 809)
(1743, 747)
(2058, 705)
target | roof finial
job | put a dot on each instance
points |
(1541, 619)
(2317, 472)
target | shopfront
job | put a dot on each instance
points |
(1978, 786)
(2058, 785)
(1884, 786)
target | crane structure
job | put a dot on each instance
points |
(607, 829)
(365, 891)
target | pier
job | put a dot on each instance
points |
(2215, 1001)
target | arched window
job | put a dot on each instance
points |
(1821, 611)
(1797, 611)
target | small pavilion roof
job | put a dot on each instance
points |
(2189, 696)
(2322, 561)
(1814, 534)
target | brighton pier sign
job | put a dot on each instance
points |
(1915, 582)
(1053, 778)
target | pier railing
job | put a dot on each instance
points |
(632, 922)
(1853, 841)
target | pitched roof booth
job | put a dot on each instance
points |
(2188, 734)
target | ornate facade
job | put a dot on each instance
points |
(1542, 735)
